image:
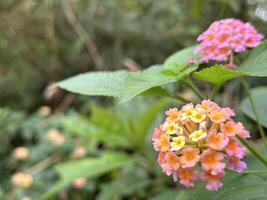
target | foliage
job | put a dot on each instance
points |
(117, 49)
(259, 95)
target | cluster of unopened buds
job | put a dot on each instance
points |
(202, 135)
(225, 37)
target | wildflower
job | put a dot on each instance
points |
(213, 180)
(212, 161)
(78, 152)
(177, 143)
(44, 111)
(217, 116)
(190, 157)
(225, 37)
(198, 117)
(56, 137)
(21, 153)
(235, 164)
(234, 149)
(22, 180)
(161, 142)
(197, 135)
(187, 176)
(229, 128)
(217, 141)
(172, 114)
(200, 135)
(170, 163)
(79, 183)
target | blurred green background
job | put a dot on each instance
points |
(44, 41)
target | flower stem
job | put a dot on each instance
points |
(245, 85)
(253, 150)
(192, 86)
(182, 99)
(214, 91)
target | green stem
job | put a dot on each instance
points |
(214, 91)
(245, 85)
(182, 99)
(191, 85)
(253, 150)
(255, 171)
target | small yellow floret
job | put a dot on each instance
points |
(198, 135)
(188, 113)
(177, 143)
(198, 117)
(173, 128)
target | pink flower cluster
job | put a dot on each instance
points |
(224, 37)
(202, 134)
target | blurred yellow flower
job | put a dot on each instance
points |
(21, 153)
(22, 180)
(26, 198)
(79, 152)
(79, 183)
(56, 137)
(44, 111)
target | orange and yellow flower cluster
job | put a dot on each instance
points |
(203, 134)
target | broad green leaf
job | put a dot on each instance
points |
(259, 96)
(82, 126)
(155, 91)
(138, 82)
(147, 118)
(89, 167)
(168, 194)
(100, 116)
(121, 84)
(217, 74)
(256, 63)
(96, 83)
(236, 187)
(180, 58)
(122, 186)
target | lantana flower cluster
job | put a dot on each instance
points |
(202, 135)
(225, 37)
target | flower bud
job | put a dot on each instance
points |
(56, 137)
(22, 180)
(21, 153)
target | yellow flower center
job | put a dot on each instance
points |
(189, 112)
(198, 117)
(173, 128)
(197, 135)
(177, 143)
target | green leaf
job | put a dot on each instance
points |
(84, 127)
(122, 186)
(217, 74)
(180, 58)
(100, 116)
(236, 187)
(147, 118)
(169, 194)
(121, 84)
(138, 82)
(89, 167)
(96, 83)
(256, 63)
(259, 96)
(155, 91)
